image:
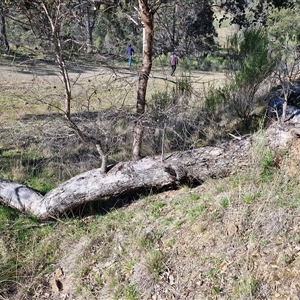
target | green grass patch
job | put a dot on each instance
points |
(26, 249)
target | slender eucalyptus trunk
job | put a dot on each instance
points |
(63, 71)
(3, 29)
(174, 26)
(88, 28)
(55, 31)
(147, 19)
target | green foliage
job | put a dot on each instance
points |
(184, 86)
(7, 215)
(25, 250)
(248, 198)
(284, 29)
(156, 261)
(157, 206)
(284, 33)
(246, 286)
(267, 166)
(42, 184)
(194, 197)
(162, 60)
(211, 62)
(146, 241)
(99, 42)
(186, 63)
(205, 64)
(28, 167)
(186, 28)
(213, 112)
(172, 118)
(250, 64)
(214, 102)
(250, 57)
(131, 293)
(224, 202)
(161, 100)
(196, 211)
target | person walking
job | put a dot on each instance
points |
(129, 52)
(173, 63)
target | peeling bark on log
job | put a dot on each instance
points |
(150, 172)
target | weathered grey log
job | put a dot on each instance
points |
(19, 196)
(150, 172)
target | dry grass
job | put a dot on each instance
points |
(231, 238)
(186, 244)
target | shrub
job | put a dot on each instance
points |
(161, 100)
(267, 166)
(184, 87)
(249, 65)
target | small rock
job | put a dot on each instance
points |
(56, 285)
(59, 272)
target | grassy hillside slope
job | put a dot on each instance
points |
(228, 238)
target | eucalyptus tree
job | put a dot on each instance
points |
(245, 13)
(57, 17)
(148, 9)
(147, 17)
(118, 26)
(87, 14)
(185, 26)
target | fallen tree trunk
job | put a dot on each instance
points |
(148, 173)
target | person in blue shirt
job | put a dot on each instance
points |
(129, 52)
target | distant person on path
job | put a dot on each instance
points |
(129, 52)
(173, 63)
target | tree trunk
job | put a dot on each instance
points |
(88, 28)
(3, 29)
(55, 31)
(284, 106)
(147, 19)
